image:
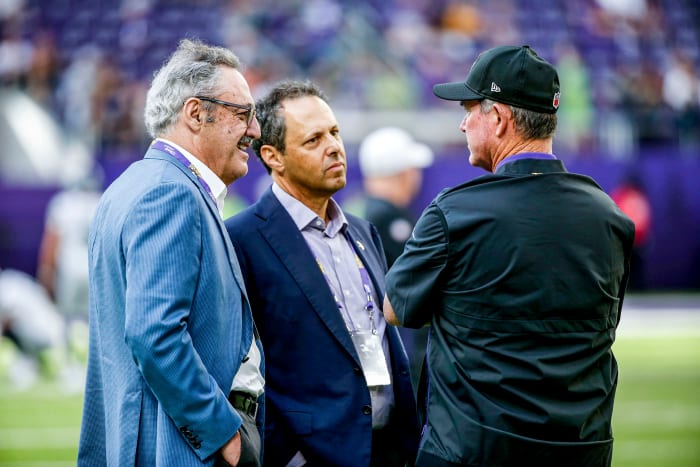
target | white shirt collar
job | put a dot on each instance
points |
(216, 185)
(303, 216)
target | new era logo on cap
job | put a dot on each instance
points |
(495, 87)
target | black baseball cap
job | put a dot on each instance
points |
(509, 74)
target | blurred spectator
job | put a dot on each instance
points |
(681, 91)
(116, 105)
(390, 87)
(392, 166)
(63, 262)
(44, 70)
(624, 8)
(15, 53)
(9, 8)
(462, 18)
(575, 127)
(642, 100)
(101, 105)
(29, 318)
(633, 201)
(75, 94)
(63, 255)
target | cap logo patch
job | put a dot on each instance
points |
(495, 87)
(555, 101)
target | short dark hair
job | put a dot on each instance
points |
(273, 128)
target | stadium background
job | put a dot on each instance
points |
(89, 62)
(73, 75)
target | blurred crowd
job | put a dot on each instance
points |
(629, 68)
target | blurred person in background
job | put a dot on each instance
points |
(63, 255)
(170, 323)
(63, 260)
(31, 321)
(681, 91)
(632, 199)
(521, 274)
(392, 164)
(338, 389)
(577, 117)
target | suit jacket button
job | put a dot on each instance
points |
(367, 410)
(357, 370)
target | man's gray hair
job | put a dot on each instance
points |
(193, 69)
(530, 124)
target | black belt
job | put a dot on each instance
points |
(244, 402)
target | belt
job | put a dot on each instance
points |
(244, 402)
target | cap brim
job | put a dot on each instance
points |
(456, 92)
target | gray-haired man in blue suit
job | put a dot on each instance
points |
(170, 321)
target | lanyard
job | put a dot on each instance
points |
(163, 146)
(364, 276)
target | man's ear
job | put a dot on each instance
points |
(272, 158)
(503, 116)
(193, 113)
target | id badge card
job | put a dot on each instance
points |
(369, 348)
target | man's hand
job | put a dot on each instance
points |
(389, 314)
(231, 451)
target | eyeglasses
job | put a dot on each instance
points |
(249, 108)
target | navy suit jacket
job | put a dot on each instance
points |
(317, 400)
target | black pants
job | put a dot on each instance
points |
(385, 451)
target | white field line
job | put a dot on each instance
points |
(659, 322)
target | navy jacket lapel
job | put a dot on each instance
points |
(295, 255)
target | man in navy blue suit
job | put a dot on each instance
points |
(338, 388)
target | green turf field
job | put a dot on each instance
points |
(656, 419)
(39, 426)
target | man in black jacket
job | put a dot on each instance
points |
(521, 275)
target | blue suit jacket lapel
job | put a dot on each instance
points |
(233, 261)
(294, 254)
